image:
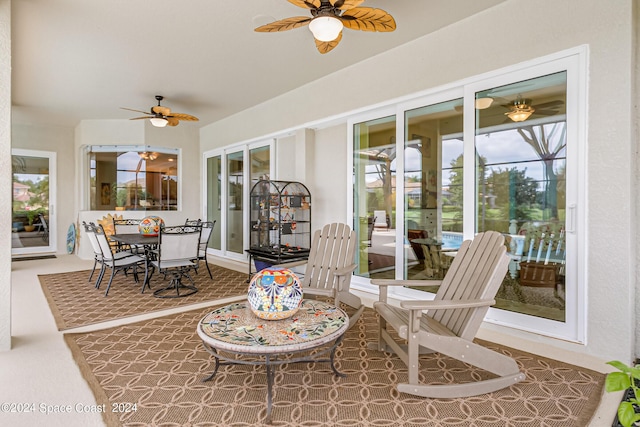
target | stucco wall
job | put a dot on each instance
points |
(330, 176)
(481, 44)
(5, 175)
(636, 138)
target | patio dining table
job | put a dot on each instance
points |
(135, 239)
(149, 243)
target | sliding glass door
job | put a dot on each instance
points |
(213, 196)
(432, 196)
(500, 154)
(235, 190)
(521, 166)
(374, 167)
(33, 227)
(230, 175)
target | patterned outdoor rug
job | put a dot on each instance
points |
(75, 302)
(159, 364)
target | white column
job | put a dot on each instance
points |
(305, 139)
(5, 175)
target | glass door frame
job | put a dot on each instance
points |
(574, 63)
(363, 282)
(246, 176)
(52, 244)
(574, 326)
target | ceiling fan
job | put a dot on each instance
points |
(521, 109)
(160, 116)
(328, 17)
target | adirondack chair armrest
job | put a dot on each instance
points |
(344, 276)
(445, 304)
(344, 271)
(384, 283)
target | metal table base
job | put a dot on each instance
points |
(272, 360)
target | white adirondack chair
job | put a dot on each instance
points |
(330, 266)
(451, 321)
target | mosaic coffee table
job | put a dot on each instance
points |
(234, 330)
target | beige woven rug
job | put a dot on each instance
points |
(159, 364)
(75, 302)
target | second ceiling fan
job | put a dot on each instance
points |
(161, 116)
(329, 17)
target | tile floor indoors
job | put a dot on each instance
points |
(40, 370)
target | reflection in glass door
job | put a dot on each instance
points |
(230, 176)
(214, 200)
(521, 152)
(33, 224)
(235, 187)
(260, 159)
(511, 163)
(374, 167)
(432, 189)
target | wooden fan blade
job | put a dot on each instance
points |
(368, 19)
(137, 111)
(546, 112)
(158, 109)
(181, 116)
(307, 4)
(325, 47)
(555, 103)
(345, 4)
(172, 121)
(140, 118)
(284, 24)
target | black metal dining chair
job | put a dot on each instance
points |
(44, 228)
(177, 254)
(127, 226)
(90, 230)
(205, 236)
(116, 263)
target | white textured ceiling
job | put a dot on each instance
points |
(83, 59)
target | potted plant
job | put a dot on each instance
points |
(627, 379)
(31, 216)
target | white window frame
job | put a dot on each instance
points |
(86, 167)
(245, 147)
(574, 62)
(574, 326)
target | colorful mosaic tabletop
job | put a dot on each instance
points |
(235, 328)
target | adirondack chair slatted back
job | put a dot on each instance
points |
(332, 248)
(473, 274)
(543, 259)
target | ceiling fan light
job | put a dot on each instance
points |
(159, 122)
(483, 103)
(520, 115)
(146, 155)
(325, 28)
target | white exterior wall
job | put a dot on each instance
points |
(480, 44)
(5, 176)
